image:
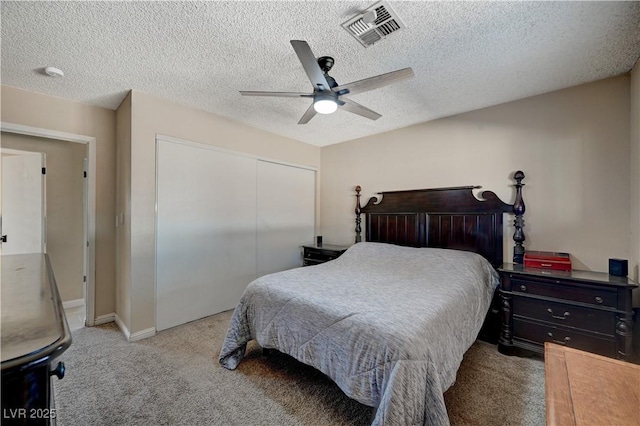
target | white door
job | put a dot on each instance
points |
(23, 202)
(206, 231)
(286, 215)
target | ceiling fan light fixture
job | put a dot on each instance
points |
(325, 103)
(325, 106)
(326, 91)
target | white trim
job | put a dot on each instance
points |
(51, 134)
(18, 151)
(122, 327)
(155, 233)
(91, 214)
(43, 177)
(73, 303)
(139, 335)
(104, 319)
(85, 224)
(229, 151)
(142, 334)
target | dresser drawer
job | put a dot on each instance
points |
(577, 308)
(562, 314)
(585, 294)
(320, 256)
(538, 334)
(314, 255)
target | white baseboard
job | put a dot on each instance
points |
(104, 319)
(138, 335)
(122, 327)
(143, 334)
(73, 303)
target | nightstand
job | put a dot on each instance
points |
(585, 310)
(314, 254)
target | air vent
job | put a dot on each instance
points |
(386, 23)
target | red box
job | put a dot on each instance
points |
(547, 260)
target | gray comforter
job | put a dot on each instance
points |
(388, 324)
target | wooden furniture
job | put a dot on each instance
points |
(581, 309)
(585, 389)
(34, 334)
(314, 254)
(383, 315)
(443, 218)
(450, 218)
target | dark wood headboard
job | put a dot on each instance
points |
(444, 218)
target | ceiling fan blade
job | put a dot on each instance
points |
(356, 108)
(308, 115)
(279, 94)
(310, 65)
(376, 82)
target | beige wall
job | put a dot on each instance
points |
(151, 116)
(634, 263)
(573, 146)
(33, 109)
(64, 207)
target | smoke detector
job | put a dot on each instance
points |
(373, 24)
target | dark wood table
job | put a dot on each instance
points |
(34, 333)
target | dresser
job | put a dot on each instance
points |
(316, 254)
(586, 310)
(34, 334)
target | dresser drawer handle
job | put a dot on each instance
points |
(560, 342)
(599, 299)
(58, 371)
(560, 317)
(523, 287)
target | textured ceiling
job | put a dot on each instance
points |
(466, 55)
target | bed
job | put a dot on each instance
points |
(390, 320)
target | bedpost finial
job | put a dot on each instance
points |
(518, 176)
(518, 223)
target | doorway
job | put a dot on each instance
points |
(70, 236)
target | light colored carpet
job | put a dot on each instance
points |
(174, 378)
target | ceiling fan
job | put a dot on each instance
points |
(327, 94)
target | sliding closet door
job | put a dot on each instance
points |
(286, 215)
(206, 231)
